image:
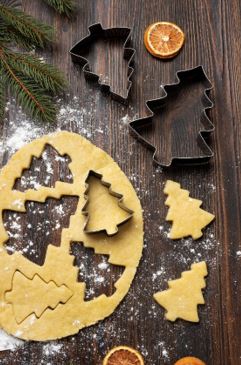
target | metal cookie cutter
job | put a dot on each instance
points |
(181, 111)
(97, 32)
(111, 230)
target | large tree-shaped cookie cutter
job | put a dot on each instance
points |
(137, 126)
(96, 31)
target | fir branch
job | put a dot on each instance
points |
(45, 75)
(62, 6)
(28, 94)
(29, 79)
(35, 32)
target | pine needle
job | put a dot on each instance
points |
(37, 33)
(12, 3)
(28, 94)
(45, 75)
(62, 6)
(9, 35)
(2, 95)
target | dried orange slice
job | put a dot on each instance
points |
(164, 39)
(189, 360)
(123, 355)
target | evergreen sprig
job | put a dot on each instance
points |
(62, 6)
(27, 92)
(32, 81)
(37, 33)
(45, 75)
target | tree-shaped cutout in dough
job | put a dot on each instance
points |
(32, 231)
(183, 296)
(98, 274)
(104, 209)
(45, 170)
(188, 219)
(25, 294)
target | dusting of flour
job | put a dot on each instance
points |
(8, 342)
(22, 130)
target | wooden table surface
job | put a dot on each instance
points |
(212, 29)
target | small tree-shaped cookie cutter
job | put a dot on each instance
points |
(111, 192)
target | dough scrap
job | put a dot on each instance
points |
(124, 248)
(184, 294)
(188, 219)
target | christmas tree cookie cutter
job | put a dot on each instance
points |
(96, 31)
(112, 229)
(188, 77)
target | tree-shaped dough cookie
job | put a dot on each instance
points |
(26, 293)
(104, 208)
(188, 219)
(184, 294)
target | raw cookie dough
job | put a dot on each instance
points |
(124, 248)
(188, 219)
(26, 293)
(184, 294)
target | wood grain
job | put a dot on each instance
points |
(212, 29)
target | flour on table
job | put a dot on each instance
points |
(8, 342)
(238, 254)
(22, 130)
(103, 265)
(51, 348)
(126, 119)
(163, 349)
(159, 273)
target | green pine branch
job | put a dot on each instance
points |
(28, 94)
(62, 6)
(44, 74)
(32, 81)
(35, 32)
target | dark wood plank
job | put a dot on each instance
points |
(212, 38)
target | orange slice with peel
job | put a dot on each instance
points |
(164, 39)
(189, 360)
(123, 355)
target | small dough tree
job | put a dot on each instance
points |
(185, 213)
(26, 293)
(184, 294)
